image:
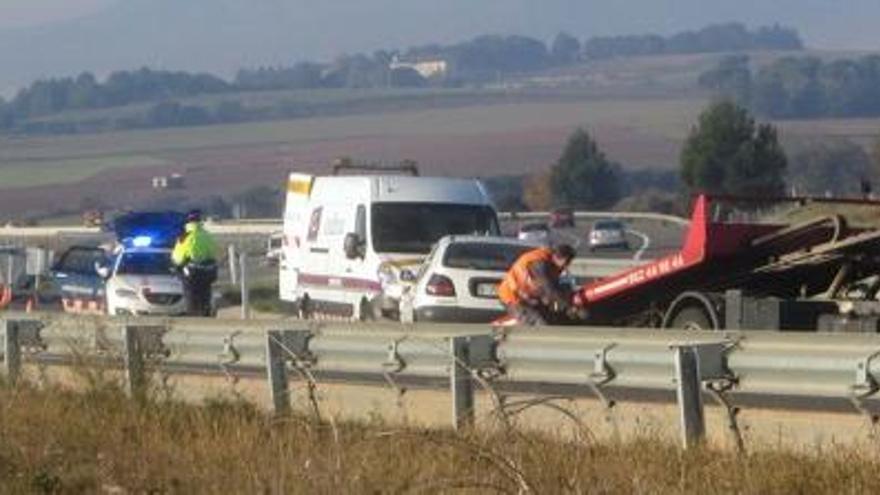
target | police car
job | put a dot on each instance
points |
(136, 277)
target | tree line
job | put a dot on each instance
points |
(48, 96)
(800, 87)
(713, 38)
(475, 61)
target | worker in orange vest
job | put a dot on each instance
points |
(530, 289)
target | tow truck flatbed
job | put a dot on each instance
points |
(810, 267)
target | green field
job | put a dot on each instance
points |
(318, 99)
(625, 128)
(667, 118)
(639, 110)
(52, 172)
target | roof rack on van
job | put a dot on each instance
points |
(346, 164)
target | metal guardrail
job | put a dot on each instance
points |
(260, 228)
(834, 372)
(544, 215)
(268, 226)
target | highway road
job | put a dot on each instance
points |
(648, 239)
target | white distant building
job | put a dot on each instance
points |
(174, 181)
(426, 67)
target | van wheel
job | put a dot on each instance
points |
(365, 311)
(305, 307)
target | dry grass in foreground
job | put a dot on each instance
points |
(52, 441)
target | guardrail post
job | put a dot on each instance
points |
(135, 379)
(285, 347)
(233, 264)
(461, 383)
(245, 293)
(276, 367)
(139, 343)
(690, 400)
(10, 269)
(11, 351)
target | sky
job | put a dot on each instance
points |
(28, 13)
(834, 23)
(49, 38)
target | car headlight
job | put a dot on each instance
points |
(387, 275)
(126, 293)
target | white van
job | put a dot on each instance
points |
(353, 243)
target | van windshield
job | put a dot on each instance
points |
(415, 227)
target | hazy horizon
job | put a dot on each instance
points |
(48, 38)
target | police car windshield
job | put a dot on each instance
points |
(145, 263)
(415, 227)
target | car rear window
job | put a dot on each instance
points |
(534, 227)
(495, 257)
(608, 225)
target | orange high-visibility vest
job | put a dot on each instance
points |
(518, 280)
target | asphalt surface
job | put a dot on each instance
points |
(647, 239)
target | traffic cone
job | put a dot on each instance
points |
(5, 296)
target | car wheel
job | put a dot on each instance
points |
(365, 311)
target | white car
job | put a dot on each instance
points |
(274, 248)
(608, 234)
(142, 281)
(458, 281)
(538, 232)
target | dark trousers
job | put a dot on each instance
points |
(197, 289)
(527, 315)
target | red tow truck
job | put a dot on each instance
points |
(816, 275)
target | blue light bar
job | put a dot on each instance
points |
(142, 241)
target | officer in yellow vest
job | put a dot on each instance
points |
(195, 255)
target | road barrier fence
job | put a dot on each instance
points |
(822, 372)
(266, 227)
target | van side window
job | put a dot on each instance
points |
(360, 222)
(315, 223)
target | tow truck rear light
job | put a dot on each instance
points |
(440, 285)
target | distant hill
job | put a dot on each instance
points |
(223, 35)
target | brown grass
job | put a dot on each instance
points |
(57, 441)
